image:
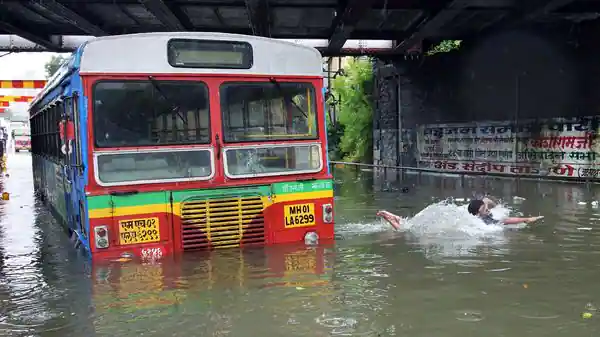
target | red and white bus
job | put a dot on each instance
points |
(184, 141)
(21, 136)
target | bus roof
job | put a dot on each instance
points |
(147, 53)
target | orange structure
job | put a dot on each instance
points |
(20, 84)
(5, 100)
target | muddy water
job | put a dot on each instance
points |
(447, 276)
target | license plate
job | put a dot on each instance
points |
(136, 231)
(299, 215)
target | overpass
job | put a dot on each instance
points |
(60, 26)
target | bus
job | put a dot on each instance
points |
(149, 144)
(21, 136)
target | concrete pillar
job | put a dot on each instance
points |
(386, 118)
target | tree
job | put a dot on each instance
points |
(444, 47)
(353, 92)
(53, 65)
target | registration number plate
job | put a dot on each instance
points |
(136, 231)
(299, 215)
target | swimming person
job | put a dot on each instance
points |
(478, 207)
(481, 209)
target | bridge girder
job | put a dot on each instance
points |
(76, 20)
(345, 22)
(259, 17)
(164, 14)
(45, 42)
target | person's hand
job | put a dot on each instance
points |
(534, 218)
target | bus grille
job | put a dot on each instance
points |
(222, 223)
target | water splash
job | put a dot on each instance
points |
(444, 229)
(448, 219)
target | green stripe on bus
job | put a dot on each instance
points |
(159, 198)
(303, 186)
(149, 198)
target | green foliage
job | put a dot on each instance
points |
(355, 111)
(335, 131)
(53, 65)
(444, 47)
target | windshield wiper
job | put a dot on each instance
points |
(280, 90)
(174, 107)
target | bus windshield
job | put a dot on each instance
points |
(131, 113)
(21, 132)
(263, 111)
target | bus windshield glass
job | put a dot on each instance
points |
(131, 113)
(263, 111)
(21, 132)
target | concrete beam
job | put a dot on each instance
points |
(69, 43)
(432, 24)
(43, 41)
(74, 19)
(529, 11)
(547, 8)
(345, 22)
(259, 17)
(163, 13)
(63, 44)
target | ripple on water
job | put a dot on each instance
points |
(469, 315)
(346, 324)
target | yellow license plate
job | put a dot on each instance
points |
(299, 215)
(136, 231)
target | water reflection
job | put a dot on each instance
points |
(213, 293)
(35, 273)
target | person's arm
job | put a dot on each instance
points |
(513, 221)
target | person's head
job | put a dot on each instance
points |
(478, 207)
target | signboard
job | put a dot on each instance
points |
(558, 147)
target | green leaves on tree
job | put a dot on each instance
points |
(53, 65)
(444, 47)
(353, 93)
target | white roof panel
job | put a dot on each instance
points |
(147, 53)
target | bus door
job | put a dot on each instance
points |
(72, 168)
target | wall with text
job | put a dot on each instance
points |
(514, 75)
(557, 147)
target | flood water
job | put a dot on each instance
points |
(447, 275)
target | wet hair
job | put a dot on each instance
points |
(474, 206)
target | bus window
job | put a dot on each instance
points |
(148, 113)
(268, 111)
(132, 167)
(244, 162)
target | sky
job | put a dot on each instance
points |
(23, 66)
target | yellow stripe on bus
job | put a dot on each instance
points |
(147, 209)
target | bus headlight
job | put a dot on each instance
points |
(101, 236)
(311, 238)
(327, 213)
